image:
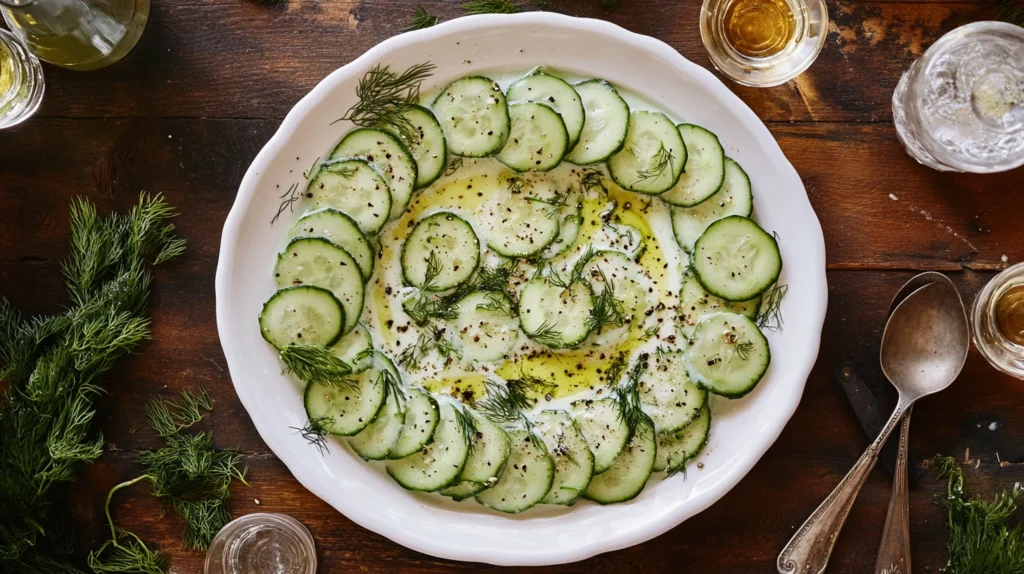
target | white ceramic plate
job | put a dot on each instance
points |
(743, 429)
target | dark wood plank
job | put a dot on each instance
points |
(243, 59)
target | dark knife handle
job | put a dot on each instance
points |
(868, 410)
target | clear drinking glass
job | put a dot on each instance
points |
(763, 43)
(78, 34)
(960, 107)
(989, 338)
(262, 543)
(21, 81)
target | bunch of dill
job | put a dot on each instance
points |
(50, 366)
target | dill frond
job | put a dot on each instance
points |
(490, 7)
(288, 200)
(504, 403)
(592, 179)
(421, 19)
(743, 349)
(169, 417)
(650, 333)
(628, 396)
(769, 315)
(607, 310)
(315, 434)
(432, 272)
(547, 334)
(467, 425)
(661, 161)
(385, 95)
(316, 364)
(453, 166)
(392, 388)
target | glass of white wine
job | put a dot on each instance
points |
(78, 34)
(21, 81)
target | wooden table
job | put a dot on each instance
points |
(186, 112)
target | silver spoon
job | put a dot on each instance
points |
(894, 551)
(924, 347)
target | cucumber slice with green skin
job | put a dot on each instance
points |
(344, 410)
(389, 156)
(441, 252)
(334, 226)
(463, 490)
(628, 475)
(695, 303)
(619, 237)
(318, 262)
(602, 426)
(428, 148)
(555, 316)
(488, 451)
(570, 220)
(728, 355)
(733, 198)
(653, 156)
(375, 441)
(486, 327)
(675, 449)
(440, 462)
(520, 225)
(735, 259)
(667, 395)
(605, 124)
(303, 314)
(355, 188)
(574, 463)
(626, 277)
(474, 116)
(419, 425)
(557, 94)
(526, 479)
(354, 349)
(537, 139)
(705, 168)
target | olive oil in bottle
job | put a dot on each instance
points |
(759, 28)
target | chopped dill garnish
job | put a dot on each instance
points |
(490, 7)
(421, 19)
(769, 316)
(515, 185)
(288, 200)
(615, 370)
(411, 356)
(744, 349)
(168, 417)
(424, 309)
(497, 302)
(650, 333)
(627, 395)
(503, 403)
(576, 273)
(384, 96)
(314, 432)
(592, 179)
(660, 161)
(432, 272)
(467, 425)
(453, 166)
(309, 172)
(547, 334)
(316, 364)
(607, 309)
(392, 388)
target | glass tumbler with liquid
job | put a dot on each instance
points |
(78, 34)
(997, 321)
(960, 107)
(21, 81)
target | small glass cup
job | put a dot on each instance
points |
(1000, 351)
(262, 543)
(21, 81)
(810, 26)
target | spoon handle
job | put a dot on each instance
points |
(809, 549)
(894, 553)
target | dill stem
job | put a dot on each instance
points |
(110, 496)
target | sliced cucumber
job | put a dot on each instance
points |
(537, 139)
(486, 327)
(354, 349)
(526, 479)
(570, 220)
(340, 229)
(318, 262)
(732, 198)
(653, 155)
(705, 168)
(628, 475)
(375, 441)
(419, 425)
(728, 355)
(354, 187)
(667, 395)
(345, 410)
(619, 237)
(428, 148)
(303, 314)
(674, 449)
(519, 224)
(488, 451)
(463, 490)
(695, 303)
(474, 116)
(555, 316)
(735, 259)
(391, 158)
(605, 124)
(626, 278)
(440, 462)
(441, 252)
(602, 426)
(555, 93)
(574, 463)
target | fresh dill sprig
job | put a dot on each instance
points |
(309, 172)
(980, 539)
(424, 309)
(661, 161)
(170, 417)
(411, 356)
(743, 349)
(125, 552)
(503, 403)
(288, 200)
(515, 185)
(384, 96)
(576, 272)
(316, 364)
(592, 179)
(315, 433)
(607, 310)
(769, 315)
(467, 426)
(627, 395)
(421, 19)
(392, 388)
(547, 334)
(615, 370)
(432, 272)
(650, 333)
(490, 7)
(453, 166)
(497, 302)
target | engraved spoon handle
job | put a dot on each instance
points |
(894, 553)
(809, 549)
